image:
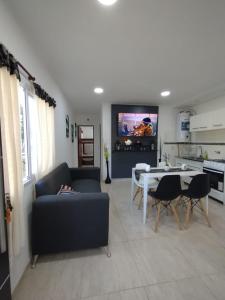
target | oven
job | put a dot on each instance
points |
(216, 182)
(216, 179)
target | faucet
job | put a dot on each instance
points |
(201, 151)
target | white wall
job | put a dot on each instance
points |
(13, 38)
(167, 129)
(106, 133)
(212, 135)
(65, 149)
(90, 119)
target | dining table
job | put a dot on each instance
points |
(157, 173)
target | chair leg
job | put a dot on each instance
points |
(176, 216)
(187, 219)
(179, 204)
(136, 193)
(107, 251)
(192, 208)
(204, 212)
(140, 200)
(158, 216)
(149, 210)
(167, 210)
(34, 261)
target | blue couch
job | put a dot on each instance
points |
(69, 222)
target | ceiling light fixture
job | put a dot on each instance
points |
(165, 93)
(98, 90)
(107, 2)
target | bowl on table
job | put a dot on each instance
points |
(184, 167)
(166, 168)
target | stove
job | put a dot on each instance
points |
(216, 164)
(216, 170)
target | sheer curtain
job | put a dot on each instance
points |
(42, 137)
(11, 143)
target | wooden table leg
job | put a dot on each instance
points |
(158, 216)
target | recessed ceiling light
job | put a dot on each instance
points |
(98, 90)
(107, 2)
(165, 93)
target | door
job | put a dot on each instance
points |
(5, 293)
(85, 145)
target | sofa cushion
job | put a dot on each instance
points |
(86, 186)
(51, 183)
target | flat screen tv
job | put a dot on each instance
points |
(137, 124)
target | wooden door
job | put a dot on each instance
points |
(85, 145)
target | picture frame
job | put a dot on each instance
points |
(67, 126)
(72, 133)
(75, 129)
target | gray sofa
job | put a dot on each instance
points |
(69, 222)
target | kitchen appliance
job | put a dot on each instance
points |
(183, 126)
(5, 290)
(216, 169)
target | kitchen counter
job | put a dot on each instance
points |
(199, 159)
(192, 162)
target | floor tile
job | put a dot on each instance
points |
(159, 260)
(191, 288)
(215, 284)
(103, 275)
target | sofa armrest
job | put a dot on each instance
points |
(85, 173)
(69, 222)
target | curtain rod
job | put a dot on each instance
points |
(30, 77)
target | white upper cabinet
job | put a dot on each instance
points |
(208, 121)
(218, 119)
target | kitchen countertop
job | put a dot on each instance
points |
(198, 159)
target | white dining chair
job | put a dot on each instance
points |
(152, 183)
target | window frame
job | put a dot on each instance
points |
(25, 84)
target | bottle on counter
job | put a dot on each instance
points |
(205, 155)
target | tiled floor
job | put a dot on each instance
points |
(172, 264)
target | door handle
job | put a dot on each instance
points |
(217, 125)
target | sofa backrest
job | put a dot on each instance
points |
(51, 183)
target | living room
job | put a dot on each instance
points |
(89, 57)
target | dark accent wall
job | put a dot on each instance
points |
(123, 161)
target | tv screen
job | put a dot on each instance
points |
(137, 124)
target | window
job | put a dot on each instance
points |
(33, 132)
(24, 98)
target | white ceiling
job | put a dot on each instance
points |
(134, 49)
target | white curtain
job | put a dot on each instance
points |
(11, 144)
(42, 137)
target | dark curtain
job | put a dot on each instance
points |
(8, 60)
(43, 95)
